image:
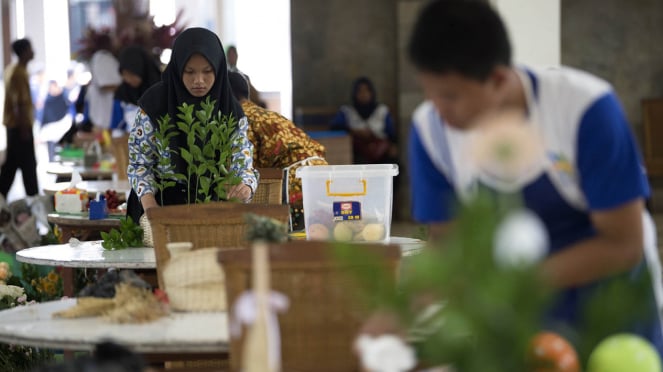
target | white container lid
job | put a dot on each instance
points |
(350, 170)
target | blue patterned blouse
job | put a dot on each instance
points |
(144, 156)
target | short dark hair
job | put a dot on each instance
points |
(20, 46)
(238, 85)
(463, 36)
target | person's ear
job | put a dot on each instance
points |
(499, 77)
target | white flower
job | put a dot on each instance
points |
(386, 353)
(11, 291)
(520, 239)
(507, 151)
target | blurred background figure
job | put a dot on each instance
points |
(105, 79)
(57, 117)
(139, 71)
(18, 120)
(231, 56)
(370, 124)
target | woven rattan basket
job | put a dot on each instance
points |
(326, 311)
(216, 224)
(194, 281)
(148, 241)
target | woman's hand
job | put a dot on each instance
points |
(241, 192)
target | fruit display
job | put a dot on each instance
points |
(624, 352)
(112, 199)
(323, 227)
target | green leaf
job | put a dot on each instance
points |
(186, 155)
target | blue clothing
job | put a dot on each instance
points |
(123, 115)
(592, 163)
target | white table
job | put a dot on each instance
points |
(33, 325)
(89, 254)
(63, 171)
(92, 187)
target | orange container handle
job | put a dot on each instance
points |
(359, 193)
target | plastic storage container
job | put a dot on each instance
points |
(348, 202)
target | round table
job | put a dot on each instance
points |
(34, 325)
(88, 254)
(81, 227)
(92, 187)
(64, 172)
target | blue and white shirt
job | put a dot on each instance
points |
(592, 163)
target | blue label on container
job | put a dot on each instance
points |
(347, 211)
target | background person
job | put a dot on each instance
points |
(370, 124)
(18, 120)
(139, 71)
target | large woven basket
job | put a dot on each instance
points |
(217, 224)
(326, 308)
(194, 281)
(148, 240)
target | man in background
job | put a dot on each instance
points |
(231, 56)
(18, 121)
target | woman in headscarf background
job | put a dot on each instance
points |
(369, 123)
(197, 69)
(139, 71)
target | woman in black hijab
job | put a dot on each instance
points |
(369, 123)
(197, 69)
(139, 71)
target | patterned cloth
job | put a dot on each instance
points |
(143, 156)
(278, 143)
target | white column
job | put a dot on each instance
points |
(534, 30)
(56, 38)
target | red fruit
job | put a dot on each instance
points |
(549, 352)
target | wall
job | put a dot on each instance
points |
(333, 42)
(534, 30)
(620, 42)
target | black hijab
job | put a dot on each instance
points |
(364, 110)
(136, 60)
(165, 96)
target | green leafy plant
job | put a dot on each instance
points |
(265, 228)
(210, 140)
(130, 234)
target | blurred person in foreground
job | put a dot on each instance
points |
(588, 189)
